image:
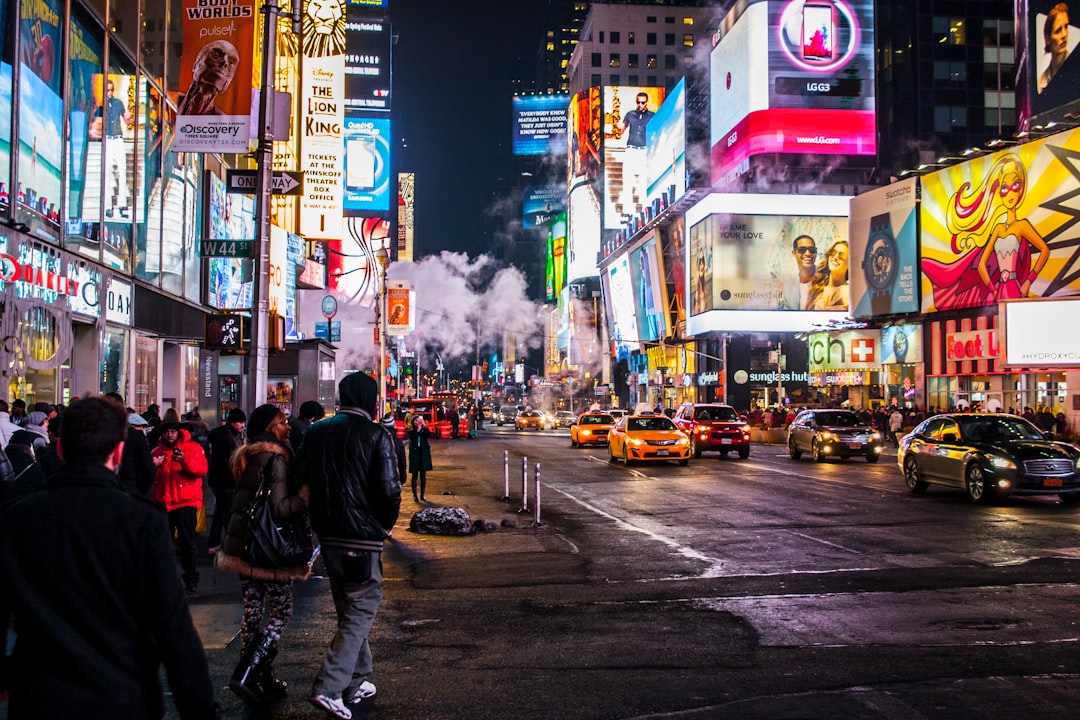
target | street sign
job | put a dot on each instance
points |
(285, 182)
(226, 248)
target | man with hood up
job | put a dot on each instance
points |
(181, 465)
(349, 466)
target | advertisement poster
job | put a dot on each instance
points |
(584, 129)
(675, 265)
(884, 250)
(627, 113)
(322, 118)
(398, 308)
(367, 164)
(1002, 226)
(280, 391)
(1052, 71)
(555, 274)
(41, 117)
(619, 296)
(85, 73)
(665, 153)
(231, 217)
(645, 275)
(540, 124)
(540, 203)
(367, 60)
(584, 238)
(217, 76)
(769, 262)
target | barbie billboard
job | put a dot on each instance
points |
(1001, 227)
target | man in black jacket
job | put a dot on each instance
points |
(88, 574)
(348, 466)
(136, 472)
(223, 441)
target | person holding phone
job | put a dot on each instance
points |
(178, 485)
(419, 454)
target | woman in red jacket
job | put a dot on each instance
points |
(181, 465)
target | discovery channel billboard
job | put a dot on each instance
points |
(884, 251)
(1002, 226)
(794, 77)
(540, 124)
(368, 186)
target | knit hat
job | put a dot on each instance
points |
(170, 426)
(359, 390)
(388, 421)
(260, 419)
(137, 420)
(36, 418)
(236, 415)
(311, 410)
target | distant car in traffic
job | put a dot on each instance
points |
(647, 437)
(564, 418)
(532, 419)
(713, 427)
(990, 456)
(506, 414)
(833, 433)
(591, 428)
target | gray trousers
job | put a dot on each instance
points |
(356, 584)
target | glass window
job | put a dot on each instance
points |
(669, 39)
(952, 72)
(597, 60)
(114, 365)
(948, 118)
(669, 21)
(650, 80)
(614, 60)
(650, 38)
(190, 358)
(146, 367)
(39, 151)
(596, 80)
(632, 80)
(117, 118)
(669, 62)
(615, 37)
(601, 36)
(948, 31)
(82, 212)
(688, 40)
(688, 21)
(615, 79)
(630, 37)
(632, 61)
(650, 62)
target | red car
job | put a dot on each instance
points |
(713, 427)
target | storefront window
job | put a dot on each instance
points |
(114, 366)
(146, 371)
(191, 377)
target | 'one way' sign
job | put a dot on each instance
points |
(283, 182)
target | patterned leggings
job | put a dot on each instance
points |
(273, 599)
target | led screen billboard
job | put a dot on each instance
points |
(539, 204)
(1001, 226)
(816, 95)
(766, 262)
(1049, 72)
(231, 217)
(367, 59)
(646, 276)
(618, 290)
(584, 129)
(540, 124)
(884, 250)
(665, 151)
(555, 276)
(584, 238)
(1033, 336)
(627, 113)
(368, 186)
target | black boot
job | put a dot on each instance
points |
(248, 672)
(273, 688)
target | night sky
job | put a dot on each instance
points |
(453, 71)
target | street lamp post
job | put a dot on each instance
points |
(383, 258)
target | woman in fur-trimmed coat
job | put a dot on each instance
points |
(267, 590)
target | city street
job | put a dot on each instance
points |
(759, 588)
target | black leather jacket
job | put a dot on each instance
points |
(350, 467)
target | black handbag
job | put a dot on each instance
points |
(273, 544)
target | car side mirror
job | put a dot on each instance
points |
(1048, 434)
(951, 438)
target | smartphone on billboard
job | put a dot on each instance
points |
(360, 163)
(818, 31)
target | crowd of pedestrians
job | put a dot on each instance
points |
(104, 504)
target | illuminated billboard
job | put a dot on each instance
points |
(584, 238)
(627, 113)
(884, 250)
(555, 275)
(1049, 72)
(368, 186)
(1002, 226)
(619, 300)
(584, 129)
(774, 263)
(646, 275)
(231, 217)
(1033, 336)
(540, 124)
(665, 152)
(367, 59)
(406, 216)
(793, 77)
(539, 204)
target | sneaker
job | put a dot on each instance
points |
(362, 692)
(334, 706)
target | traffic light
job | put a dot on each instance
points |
(225, 332)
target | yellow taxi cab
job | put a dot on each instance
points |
(591, 428)
(531, 419)
(650, 437)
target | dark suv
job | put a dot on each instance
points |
(712, 426)
(833, 433)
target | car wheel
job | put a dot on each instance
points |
(626, 457)
(695, 449)
(816, 452)
(913, 476)
(792, 450)
(1070, 500)
(975, 482)
(573, 442)
(744, 452)
(610, 455)
(872, 457)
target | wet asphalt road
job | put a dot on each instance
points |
(763, 588)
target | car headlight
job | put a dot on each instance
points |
(1000, 462)
(1078, 463)
(634, 441)
(684, 441)
(826, 435)
(584, 432)
(875, 436)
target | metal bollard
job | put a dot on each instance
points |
(506, 475)
(536, 504)
(524, 484)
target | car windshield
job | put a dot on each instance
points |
(597, 420)
(650, 423)
(837, 419)
(996, 429)
(714, 413)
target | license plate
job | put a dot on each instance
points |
(1052, 482)
(661, 452)
(855, 446)
(726, 441)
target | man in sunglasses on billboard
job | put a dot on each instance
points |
(804, 250)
